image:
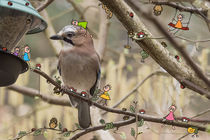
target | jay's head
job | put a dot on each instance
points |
(73, 35)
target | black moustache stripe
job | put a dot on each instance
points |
(68, 41)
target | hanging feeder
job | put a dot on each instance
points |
(17, 18)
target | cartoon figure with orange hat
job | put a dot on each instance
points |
(105, 95)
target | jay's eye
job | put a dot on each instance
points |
(70, 34)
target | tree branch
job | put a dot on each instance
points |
(44, 5)
(103, 33)
(138, 85)
(35, 93)
(155, 49)
(182, 8)
(140, 116)
(65, 102)
(55, 44)
(91, 129)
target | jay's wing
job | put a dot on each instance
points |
(59, 68)
(98, 74)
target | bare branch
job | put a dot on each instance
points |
(56, 45)
(138, 85)
(182, 8)
(201, 113)
(35, 93)
(140, 116)
(91, 129)
(44, 5)
(183, 136)
(103, 33)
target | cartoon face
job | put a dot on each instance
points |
(27, 49)
(17, 50)
(107, 88)
(172, 108)
(74, 22)
(180, 17)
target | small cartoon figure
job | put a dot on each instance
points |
(53, 123)
(105, 95)
(157, 10)
(108, 12)
(82, 24)
(26, 53)
(144, 55)
(16, 51)
(171, 116)
(74, 22)
(193, 130)
(178, 24)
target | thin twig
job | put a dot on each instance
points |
(201, 113)
(44, 5)
(44, 128)
(183, 136)
(91, 129)
(182, 8)
(182, 38)
(35, 93)
(103, 34)
(138, 85)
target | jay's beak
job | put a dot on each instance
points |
(56, 37)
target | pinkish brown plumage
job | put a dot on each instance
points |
(79, 67)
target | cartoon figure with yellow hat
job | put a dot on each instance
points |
(105, 95)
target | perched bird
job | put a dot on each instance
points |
(79, 67)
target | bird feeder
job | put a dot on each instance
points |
(17, 18)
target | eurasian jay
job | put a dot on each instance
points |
(79, 67)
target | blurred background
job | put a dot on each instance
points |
(122, 68)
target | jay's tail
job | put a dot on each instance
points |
(84, 114)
